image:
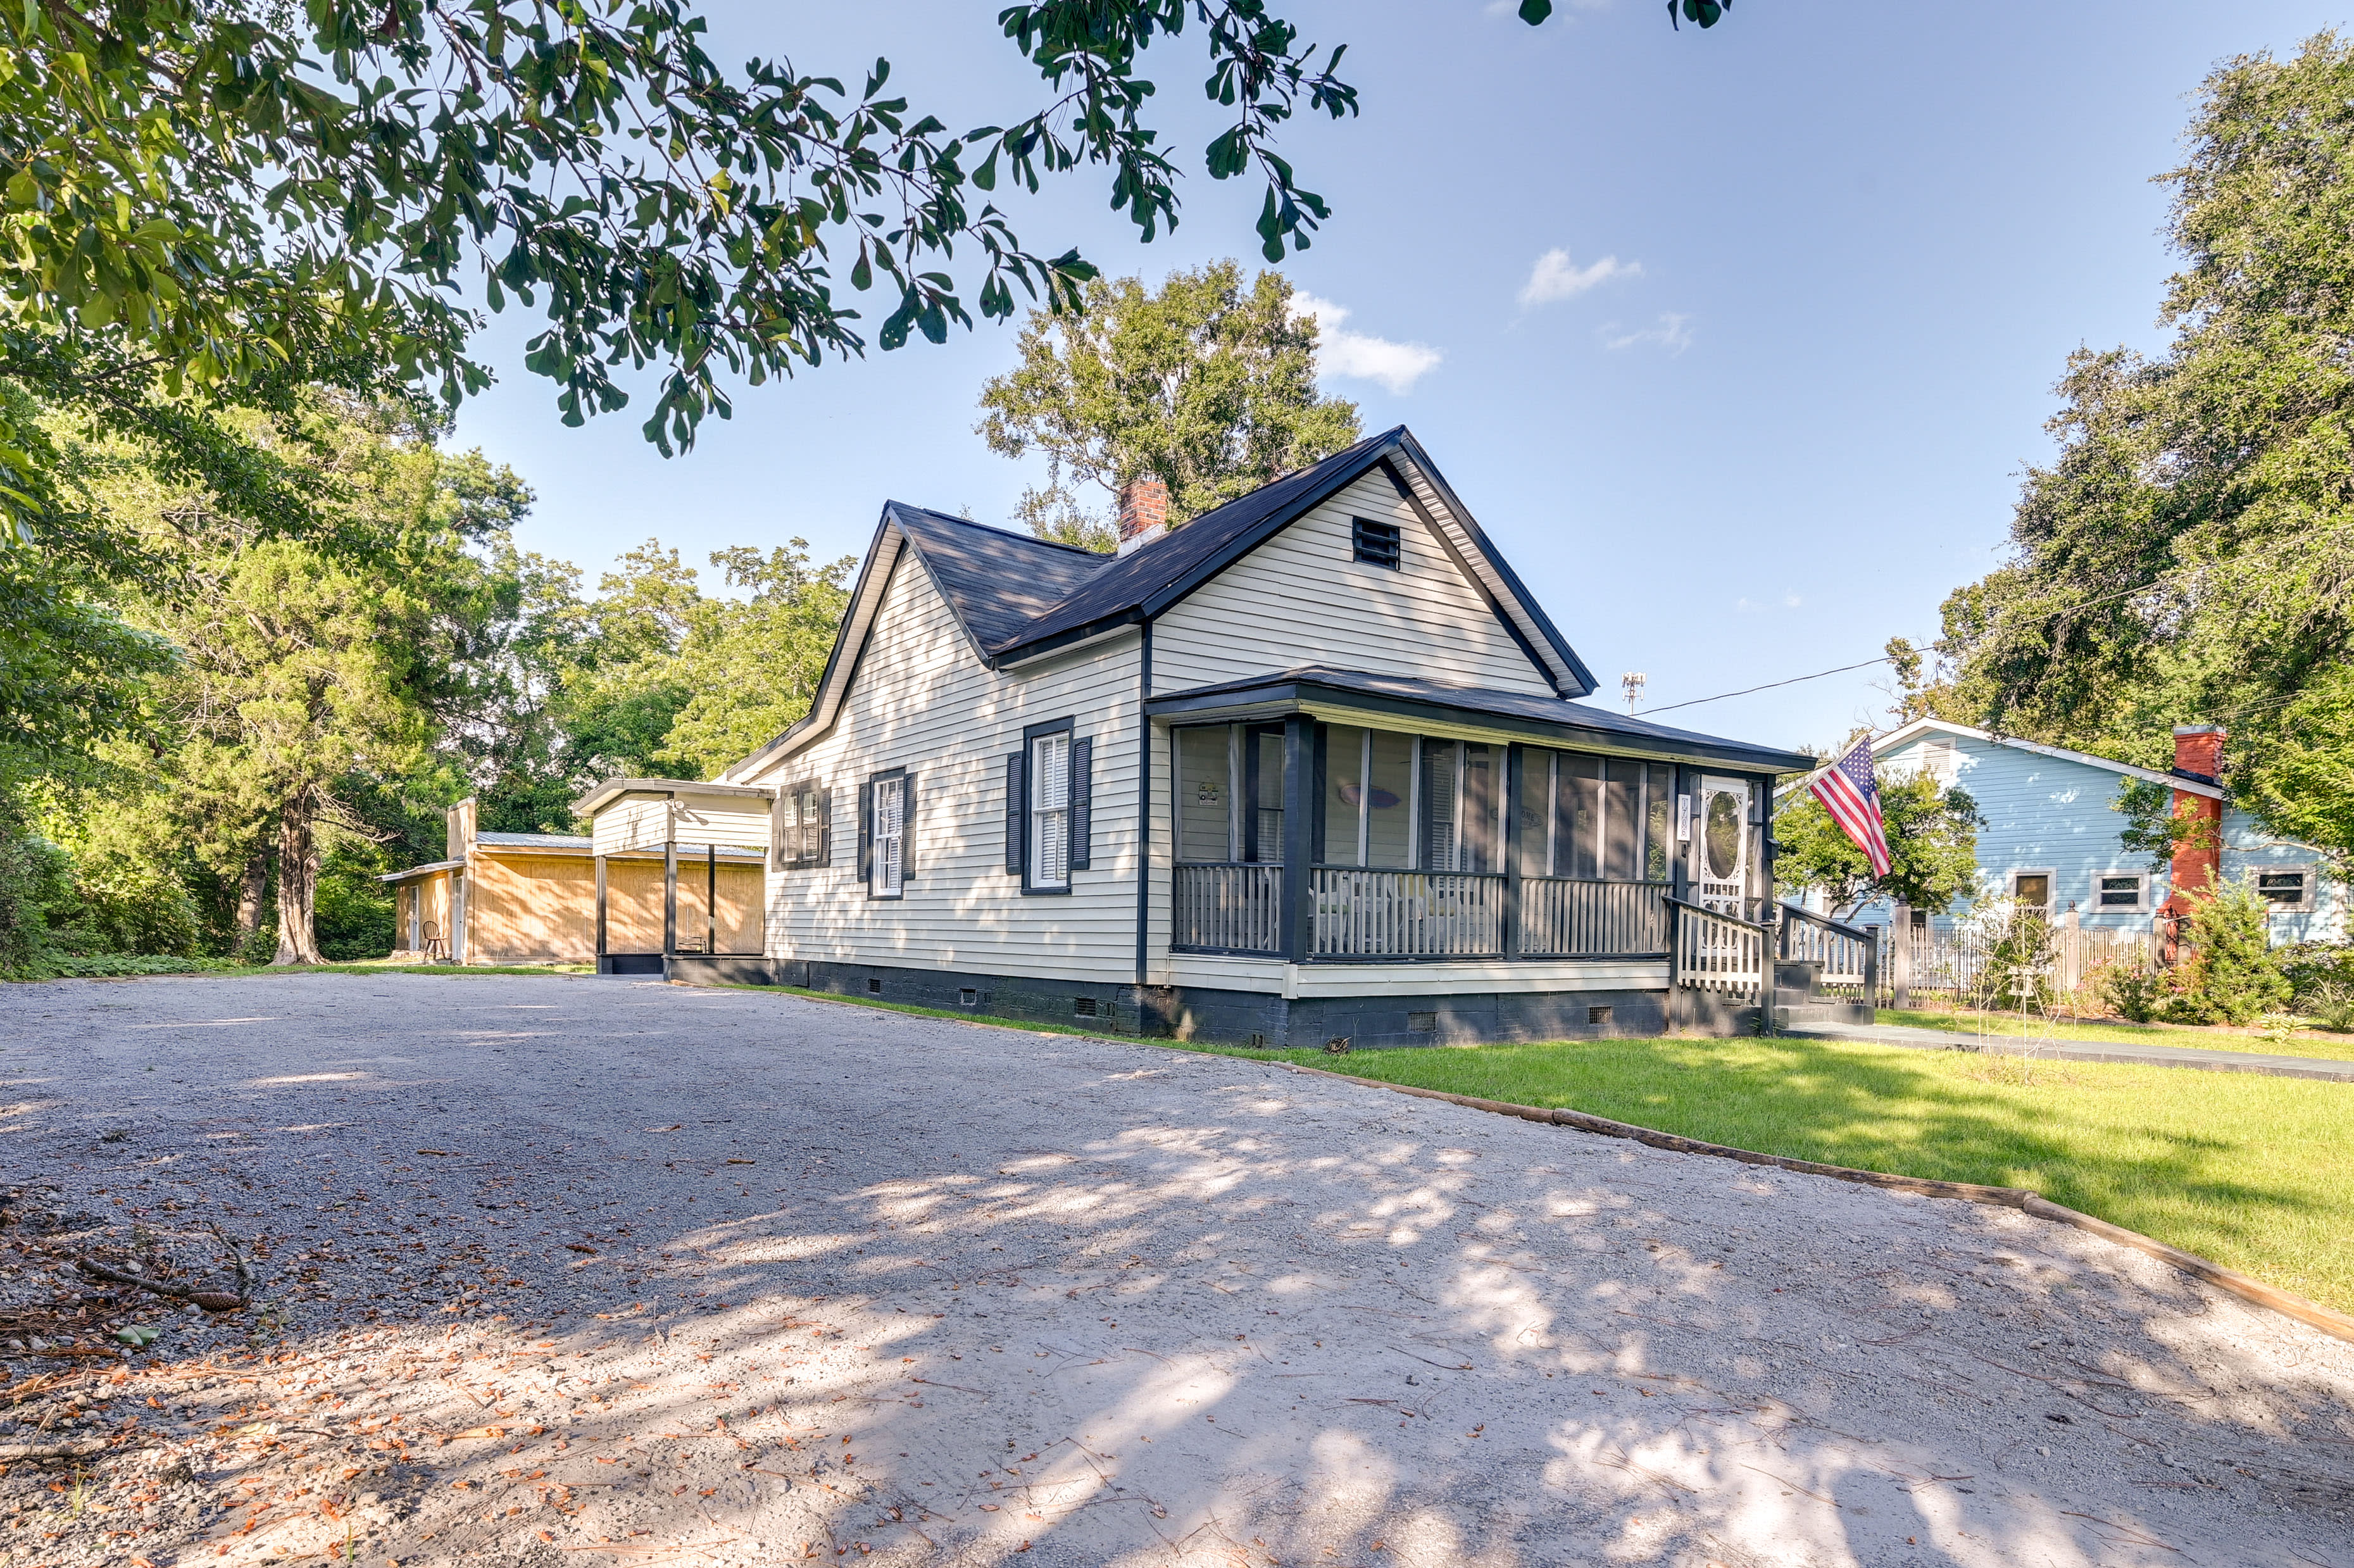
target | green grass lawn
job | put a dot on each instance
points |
(2256, 1173)
(2304, 1043)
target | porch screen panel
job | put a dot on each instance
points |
(1659, 822)
(1267, 780)
(1533, 812)
(1577, 842)
(1344, 793)
(1622, 819)
(1439, 766)
(1204, 804)
(1389, 795)
(1483, 800)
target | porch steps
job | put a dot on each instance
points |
(1805, 1012)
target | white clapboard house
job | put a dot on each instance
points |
(1311, 767)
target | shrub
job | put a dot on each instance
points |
(2230, 974)
(2331, 1005)
(2312, 967)
(2133, 992)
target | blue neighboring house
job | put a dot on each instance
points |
(2052, 832)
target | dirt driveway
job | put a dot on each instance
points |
(590, 1272)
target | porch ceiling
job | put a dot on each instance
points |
(1363, 697)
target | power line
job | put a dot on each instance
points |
(1768, 687)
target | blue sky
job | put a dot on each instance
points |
(1735, 341)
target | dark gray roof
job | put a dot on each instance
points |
(1408, 697)
(534, 840)
(996, 582)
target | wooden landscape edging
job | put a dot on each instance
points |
(2247, 1288)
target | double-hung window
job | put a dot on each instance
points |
(1047, 804)
(1050, 811)
(2119, 892)
(798, 827)
(2288, 889)
(887, 852)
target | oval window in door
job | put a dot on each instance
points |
(1722, 834)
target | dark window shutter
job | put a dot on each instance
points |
(1017, 805)
(906, 826)
(1083, 755)
(823, 854)
(866, 831)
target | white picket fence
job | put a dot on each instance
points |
(1958, 965)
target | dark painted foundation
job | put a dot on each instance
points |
(1237, 1017)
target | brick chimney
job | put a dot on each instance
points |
(2198, 751)
(2197, 864)
(1143, 513)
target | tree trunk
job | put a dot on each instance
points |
(251, 896)
(298, 885)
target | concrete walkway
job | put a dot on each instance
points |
(2083, 1050)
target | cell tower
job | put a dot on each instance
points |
(1633, 682)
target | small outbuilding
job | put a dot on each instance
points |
(536, 898)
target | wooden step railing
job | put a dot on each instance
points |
(1718, 953)
(1848, 956)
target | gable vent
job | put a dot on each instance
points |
(1374, 544)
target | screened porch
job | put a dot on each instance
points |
(1336, 843)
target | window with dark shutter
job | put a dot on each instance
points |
(1048, 784)
(801, 827)
(1017, 812)
(1083, 755)
(1374, 544)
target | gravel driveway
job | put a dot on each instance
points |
(590, 1271)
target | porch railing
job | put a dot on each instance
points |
(1363, 914)
(1718, 953)
(1229, 908)
(1849, 956)
(1561, 919)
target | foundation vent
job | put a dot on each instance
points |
(1422, 1023)
(875, 985)
(968, 997)
(1083, 1007)
(1597, 1015)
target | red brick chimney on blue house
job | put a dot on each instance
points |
(2198, 858)
(1143, 513)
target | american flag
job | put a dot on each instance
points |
(1849, 794)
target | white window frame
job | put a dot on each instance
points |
(886, 847)
(2140, 906)
(2304, 905)
(1047, 772)
(2051, 883)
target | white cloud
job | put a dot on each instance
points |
(1554, 277)
(1339, 352)
(1673, 334)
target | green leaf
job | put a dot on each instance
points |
(1533, 12)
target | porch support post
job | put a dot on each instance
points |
(711, 897)
(1515, 775)
(1299, 807)
(670, 899)
(600, 914)
(1900, 955)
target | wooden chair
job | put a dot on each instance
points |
(436, 944)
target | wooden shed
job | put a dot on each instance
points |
(677, 868)
(523, 898)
